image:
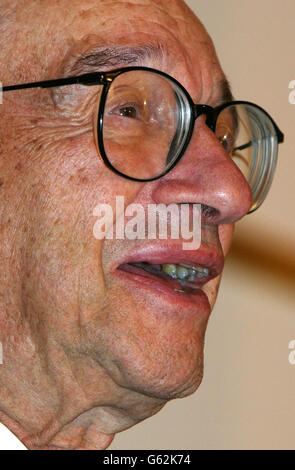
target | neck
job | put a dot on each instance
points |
(73, 436)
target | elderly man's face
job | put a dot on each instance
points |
(105, 336)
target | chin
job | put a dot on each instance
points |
(168, 386)
(164, 369)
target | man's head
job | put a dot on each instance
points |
(90, 348)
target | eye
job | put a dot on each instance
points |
(128, 111)
(227, 142)
(226, 136)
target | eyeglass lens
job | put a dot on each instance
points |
(147, 120)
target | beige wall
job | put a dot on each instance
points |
(247, 399)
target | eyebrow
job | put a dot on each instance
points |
(103, 58)
(225, 91)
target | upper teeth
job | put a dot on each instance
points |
(184, 272)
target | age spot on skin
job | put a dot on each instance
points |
(79, 177)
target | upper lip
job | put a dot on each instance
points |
(207, 256)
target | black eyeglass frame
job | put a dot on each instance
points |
(106, 79)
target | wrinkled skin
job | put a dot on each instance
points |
(86, 356)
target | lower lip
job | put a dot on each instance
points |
(198, 299)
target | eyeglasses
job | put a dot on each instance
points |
(145, 121)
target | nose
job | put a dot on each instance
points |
(206, 175)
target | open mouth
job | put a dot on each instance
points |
(166, 269)
(181, 277)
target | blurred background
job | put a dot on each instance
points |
(247, 398)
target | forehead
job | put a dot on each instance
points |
(67, 30)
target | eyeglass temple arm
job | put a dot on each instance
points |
(280, 136)
(242, 147)
(86, 79)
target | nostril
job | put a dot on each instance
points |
(209, 213)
